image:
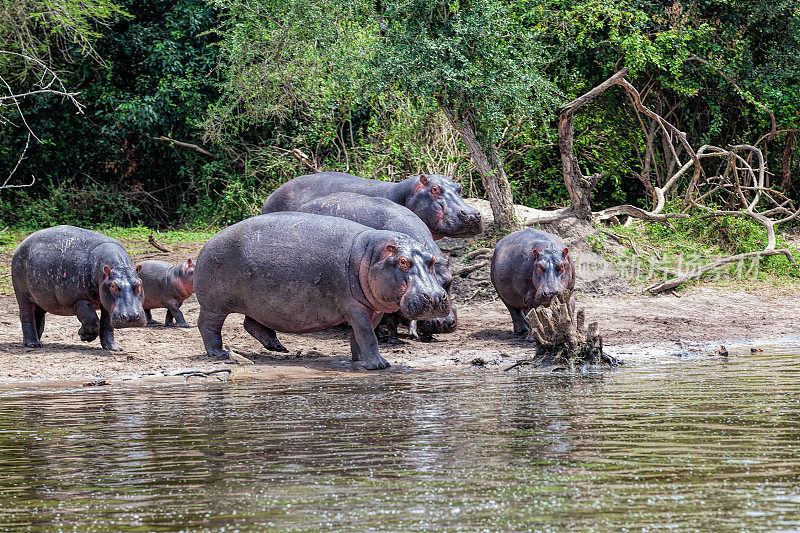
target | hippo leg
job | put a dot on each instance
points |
(149, 316)
(27, 316)
(521, 324)
(90, 325)
(364, 343)
(173, 311)
(107, 332)
(39, 315)
(391, 321)
(266, 336)
(210, 326)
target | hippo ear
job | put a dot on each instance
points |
(423, 179)
(535, 253)
(391, 249)
(138, 269)
(565, 253)
(189, 263)
(106, 271)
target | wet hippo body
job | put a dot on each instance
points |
(380, 213)
(529, 268)
(434, 198)
(167, 286)
(299, 273)
(69, 271)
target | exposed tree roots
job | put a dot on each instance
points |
(563, 340)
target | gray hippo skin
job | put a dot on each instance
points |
(167, 286)
(72, 271)
(298, 273)
(435, 199)
(529, 268)
(380, 213)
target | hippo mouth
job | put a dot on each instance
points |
(420, 308)
(129, 321)
(446, 324)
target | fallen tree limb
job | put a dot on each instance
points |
(472, 267)
(156, 245)
(635, 212)
(560, 214)
(202, 373)
(697, 272)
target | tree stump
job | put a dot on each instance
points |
(563, 340)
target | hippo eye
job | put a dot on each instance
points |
(436, 190)
(404, 263)
(114, 288)
(540, 269)
(560, 268)
(137, 288)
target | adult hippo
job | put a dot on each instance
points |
(298, 273)
(380, 213)
(435, 199)
(529, 268)
(72, 271)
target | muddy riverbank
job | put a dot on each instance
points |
(663, 325)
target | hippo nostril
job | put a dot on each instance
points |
(426, 296)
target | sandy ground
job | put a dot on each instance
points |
(631, 324)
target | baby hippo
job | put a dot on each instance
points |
(529, 268)
(72, 271)
(300, 272)
(167, 285)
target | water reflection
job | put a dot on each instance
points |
(689, 445)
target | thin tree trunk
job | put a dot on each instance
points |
(490, 168)
(786, 169)
(578, 186)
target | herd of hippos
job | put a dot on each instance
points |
(328, 248)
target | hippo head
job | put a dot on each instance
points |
(437, 201)
(121, 295)
(400, 272)
(551, 274)
(186, 276)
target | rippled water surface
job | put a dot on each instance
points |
(687, 444)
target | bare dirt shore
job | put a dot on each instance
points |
(632, 324)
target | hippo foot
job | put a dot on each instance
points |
(521, 331)
(378, 364)
(277, 348)
(426, 338)
(529, 338)
(32, 344)
(395, 340)
(219, 353)
(178, 325)
(110, 345)
(87, 336)
(152, 323)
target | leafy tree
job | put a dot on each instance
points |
(482, 61)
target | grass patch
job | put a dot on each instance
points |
(688, 243)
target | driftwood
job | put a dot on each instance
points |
(741, 190)
(466, 270)
(562, 338)
(202, 373)
(156, 245)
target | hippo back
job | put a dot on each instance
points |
(378, 213)
(303, 189)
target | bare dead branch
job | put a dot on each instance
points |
(156, 245)
(185, 145)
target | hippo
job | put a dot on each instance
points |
(167, 285)
(434, 198)
(529, 268)
(72, 271)
(380, 213)
(300, 272)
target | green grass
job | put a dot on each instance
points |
(698, 240)
(134, 239)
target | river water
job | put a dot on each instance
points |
(692, 443)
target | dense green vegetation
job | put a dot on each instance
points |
(367, 87)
